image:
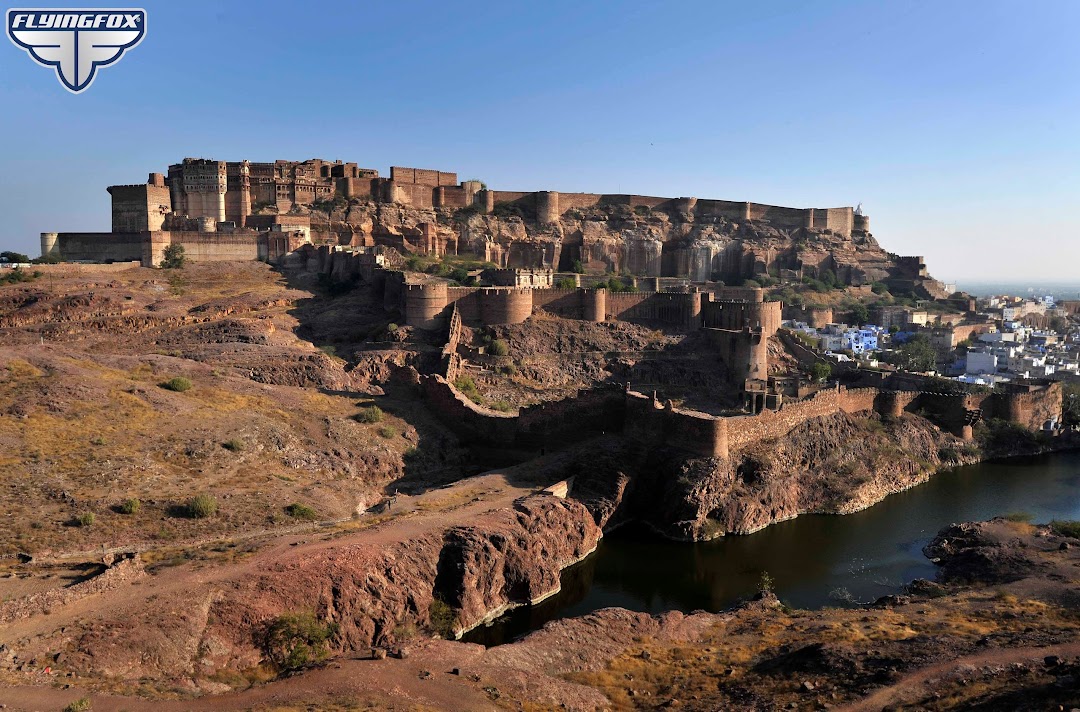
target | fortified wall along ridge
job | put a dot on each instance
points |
(225, 210)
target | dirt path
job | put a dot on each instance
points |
(388, 684)
(417, 682)
(410, 517)
(919, 684)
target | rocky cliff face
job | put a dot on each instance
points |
(836, 464)
(377, 593)
(656, 243)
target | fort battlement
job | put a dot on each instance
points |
(646, 420)
(231, 191)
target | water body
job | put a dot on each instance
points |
(815, 560)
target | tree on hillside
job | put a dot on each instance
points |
(916, 354)
(173, 257)
(860, 314)
(821, 371)
(1070, 404)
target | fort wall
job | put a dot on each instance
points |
(99, 246)
(202, 246)
(139, 208)
(644, 419)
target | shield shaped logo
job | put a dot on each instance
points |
(76, 42)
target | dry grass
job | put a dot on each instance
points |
(725, 658)
(94, 429)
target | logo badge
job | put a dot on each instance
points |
(76, 41)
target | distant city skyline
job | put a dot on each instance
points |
(952, 123)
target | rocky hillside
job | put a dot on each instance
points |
(261, 418)
(642, 242)
(835, 464)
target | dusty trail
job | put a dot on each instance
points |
(918, 684)
(410, 517)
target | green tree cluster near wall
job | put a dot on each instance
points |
(915, 354)
(173, 257)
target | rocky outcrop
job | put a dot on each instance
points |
(984, 552)
(377, 595)
(118, 572)
(657, 242)
(836, 464)
(482, 571)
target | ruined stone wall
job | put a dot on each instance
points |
(558, 423)
(469, 421)
(128, 569)
(746, 430)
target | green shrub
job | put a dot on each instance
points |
(173, 257)
(565, 283)
(499, 348)
(369, 415)
(387, 432)
(202, 506)
(442, 618)
(1062, 527)
(16, 257)
(17, 275)
(1019, 516)
(233, 445)
(948, 454)
(301, 511)
(766, 583)
(178, 384)
(85, 519)
(130, 506)
(99, 441)
(296, 640)
(467, 386)
(821, 371)
(502, 406)
(82, 704)
(578, 267)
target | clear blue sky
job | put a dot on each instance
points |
(955, 123)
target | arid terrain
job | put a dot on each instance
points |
(224, 490)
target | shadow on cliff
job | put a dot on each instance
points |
(347, 322)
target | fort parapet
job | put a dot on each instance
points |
(644, 419)
(209, 194)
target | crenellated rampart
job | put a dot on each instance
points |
(645, 419)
